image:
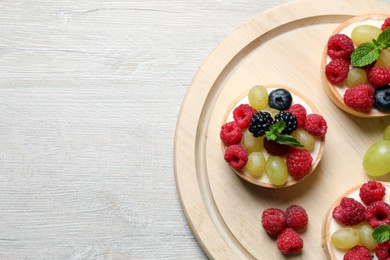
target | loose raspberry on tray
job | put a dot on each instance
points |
(378, 213)
(360, 98)
(242, 115)
(358, 253)
(298, 162)
(236, 156)
(289, 241)
(316, 125)
(230, 133)
(336, 71)
(340, 46)
(296, 217)
(372, 191)
(273, 221)
(349, 212)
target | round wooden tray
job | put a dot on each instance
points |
(282, 46)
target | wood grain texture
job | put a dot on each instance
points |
(90, 92)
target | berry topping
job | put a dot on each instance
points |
(296, 217)
(273, 221)
(378, 213)
(382, 98)
(280, 99)
(349, 212)
(385, 24)
(340, 46)
(379, 76)
(243, 114)
(289, 241)
(230, 133)
(298, 162)
(382, 250)
(274, 148)
(236, 156)
(289, 119)
(299, 112)
(360, 98)
(358, 253)
(260, 123)
(316, 125)
(336, 71)
(371, 191)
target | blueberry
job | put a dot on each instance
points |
(280, 99)
(382, 98)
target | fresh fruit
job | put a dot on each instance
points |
(255, 164)
(276, 170)
(385, 24)
(378, 213)
(345, 238)
(379, 76)
(386, 133)
(236, 156)
(382, 250)
(376, 159)
(316, 125)
(360, 98)
(260, 123)
(242, 115)
(336, 71)
(365, 236)
(382, 98)
(252, 143)
(307, 140)
(280, 99)
(289, 119)
(384, 58)
(356, 76)
(296, 217)
(358, 253)
(289, 241)
(299, 112)
(230, 133)
(273, 221)
(340, 46)
(258, 97)
(298, 162)
(275, 148)
(371, 191)
(349, 212)
(364, 33)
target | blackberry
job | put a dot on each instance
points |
(260, 123)
(289, 119)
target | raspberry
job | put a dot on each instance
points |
(230, 133)
(260, 123)
(296, 217)
(349, 212)
(299, 112)
(360, 98)
(289, 241)
(358, 253)
(386, 24)
(298, 162)
(382, 250)
(336, 71)
(372, 191)
(316, 125)
(243, 114)
(273, 221)
(378, 213)
(236, 156)
(289, 119)
(340, 46)
(275, 148)
(379, 76)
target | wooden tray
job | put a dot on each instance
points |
(282, 46)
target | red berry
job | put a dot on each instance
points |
(360, 98)
(230, 133)
(296, 217)
(336, 71)
(316, 125)
(275, 148)
(298, 162)
(382, 250)
(378, 213)
(299, 112)
(386, 24)
(243, 114)
(340, 46)
(273, 221)
(372, 191)
(379, 76)
(289, 241)
(358, 253)
(349, 212)
(236, 156)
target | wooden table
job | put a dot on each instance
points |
(90, 92)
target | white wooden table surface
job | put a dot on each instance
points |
(89, 96)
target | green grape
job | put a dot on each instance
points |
(307, 140)
(365, 236)
(345, 238)
(255, 164)
(276, 170)
(384, 58)
(252, 143)
(258, 97)
(376, 160)
(387, 133)
(364, 33)
(356, 76)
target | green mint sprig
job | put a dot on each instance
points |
(370, 51)
(381, 234)
(275, 134)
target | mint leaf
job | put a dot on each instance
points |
(384, 38)
(288, 140)
(365, 54)
(382, 233)
(275, 134)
